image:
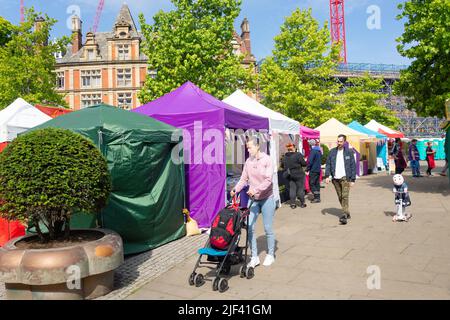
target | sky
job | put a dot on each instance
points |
(371, 25)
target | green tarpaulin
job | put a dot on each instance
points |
(147, 198)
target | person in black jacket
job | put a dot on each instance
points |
(293, 163)
(314, 168)
(341, 169)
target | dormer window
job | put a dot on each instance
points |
(91, 54)
(123, 52)
(122, 29)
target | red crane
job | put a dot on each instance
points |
(337, 18)
(22, 11)
(101, 3)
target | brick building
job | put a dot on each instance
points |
(110, 68)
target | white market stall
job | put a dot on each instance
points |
(282, 129)
(18, 117)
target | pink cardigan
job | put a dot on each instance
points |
(257, 174)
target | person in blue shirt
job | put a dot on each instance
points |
(314, 168)
(414, 158)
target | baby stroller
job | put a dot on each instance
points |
(224, 259)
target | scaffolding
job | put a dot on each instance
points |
(411, 125)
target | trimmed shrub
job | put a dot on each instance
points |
(47, 174)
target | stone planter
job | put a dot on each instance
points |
(84, 271)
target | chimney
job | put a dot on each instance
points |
(77, 37)
(38, 22)
(245, 36)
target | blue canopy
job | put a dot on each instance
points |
(355, 125)
(382, 139)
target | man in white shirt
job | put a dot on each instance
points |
(341, 170)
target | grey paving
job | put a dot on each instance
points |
(316, 258)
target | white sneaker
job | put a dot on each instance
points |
(254, 261)
(268, 260)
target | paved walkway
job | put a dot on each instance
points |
(319, 259)
(316, 257)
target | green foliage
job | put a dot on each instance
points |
(425, 40)
(6, 29)
(297, 80)
(27, 64)
(194, 43)
(326, 151)
(47, 174)
(360, 102)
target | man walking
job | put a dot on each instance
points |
(314, 168)
(341, 170)
(414, 158)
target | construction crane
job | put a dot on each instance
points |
(22, 11)
(337, 18)
(101, 3)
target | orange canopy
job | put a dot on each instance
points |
(53, 111)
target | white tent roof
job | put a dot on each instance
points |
(18, 117)
(277, 121)
(374, 125)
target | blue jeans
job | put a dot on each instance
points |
(415, 167)
(267, 208)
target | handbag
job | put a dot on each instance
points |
(287, 174)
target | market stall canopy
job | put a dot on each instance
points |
(375, 126)
(330, 129)
(309, 133)
(18, 117)
(197, 112)
(277, 121)
(53, 111)
(359, 127)
(188, 103)
(147, 198)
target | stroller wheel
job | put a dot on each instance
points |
(250, 273)
(223, 285)
(199, 280)
(215, 286)
(243, 271)
(191, 279)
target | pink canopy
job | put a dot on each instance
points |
(309, 133)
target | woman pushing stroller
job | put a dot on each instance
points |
(258, 173)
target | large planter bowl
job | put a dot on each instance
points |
(84, 271)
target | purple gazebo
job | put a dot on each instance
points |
(204, 120)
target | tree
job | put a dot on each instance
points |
(360, 102)
(6, 29)
(27, 63)
(194, 42)
(48, 174)
(425, 40)
(297, 80)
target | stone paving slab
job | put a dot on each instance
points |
(316, 258)
(142, 268)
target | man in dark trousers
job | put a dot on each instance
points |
(314, 168)
(341, 169)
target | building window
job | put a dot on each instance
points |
(90, 54)
(124, 100)
(123, 52)
(60, 80)
(91, 78)
(124, 77)
(90, 99)
(151, 74)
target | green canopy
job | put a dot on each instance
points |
(147, 198)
